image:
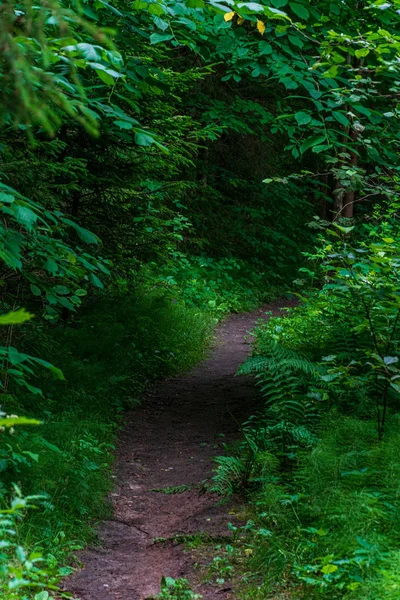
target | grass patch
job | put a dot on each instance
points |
(109, 355)
(330, 528)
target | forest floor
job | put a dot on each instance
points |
(170, 441)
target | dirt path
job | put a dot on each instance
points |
(170, 441)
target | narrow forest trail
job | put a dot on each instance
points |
(171, 441)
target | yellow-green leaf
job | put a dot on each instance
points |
(229, 16)
(329, 569)
(260, 27)
(15, 317)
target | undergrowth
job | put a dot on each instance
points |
(319, 463)
(109, 355)
(221, 285)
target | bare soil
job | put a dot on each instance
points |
(171, 441)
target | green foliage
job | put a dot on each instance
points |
(328, 525)
(176, 589)
(220, 286)
(134, 143)
(325, 513)
(115, 350)
(18, 569)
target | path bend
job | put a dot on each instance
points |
(171, 441)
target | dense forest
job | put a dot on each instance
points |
(163, 165)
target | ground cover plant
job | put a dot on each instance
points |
(318, 463)
(164, 164)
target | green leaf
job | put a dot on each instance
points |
(144, 139)
(299, 10)
(296, 41)
(327, 569)
(314, 140)
(25, 216)
(105, 73)
(334, 8)
(161, 23)
(302, 118)
(390, 360)
(343, 229)
(252, 6)
(95, 280)
(66, 303)
(264, 48)
(80, 292)
(55, 370)
(340, 118)
(51, 266)
(90, 52)
(156, 38)
(123, 124)
(86, 236)
(362, 52)
(36, 291)
(16, 317)
(6, 198)
(61, 289)
(332, 72)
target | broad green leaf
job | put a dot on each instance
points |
(80, 292)
(161, 23)
(86, 236)
(6, 198)
(51, 266)
(143, 139)
(42, 596)
(332, 72)
(61, 289)
(90, 52)
(362, 52)
(123, 124)
(296, 41)
(264, 48)
(314, 140)
(341, 118)
(334, 8)
(66, 303)
(157, 38)
(25, 216)
(302, 118)
(390, 360)
(55, 370)
(252, 6)
(327, 569)
(300, 10)
(36, 291)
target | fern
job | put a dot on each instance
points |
(276, 356)
(283, 376)
(289, 419)
(231, 474)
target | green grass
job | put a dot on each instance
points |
(330, 527)
(112, 352)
